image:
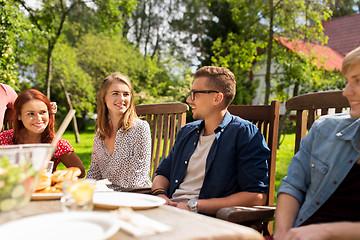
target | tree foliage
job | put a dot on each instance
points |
(155, 42)
(238, 38)
(247, 32)
(12, 27)
(86, 52)
(344, 7)
(51, 16)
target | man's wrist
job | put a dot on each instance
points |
(159, 191)
(193, 205)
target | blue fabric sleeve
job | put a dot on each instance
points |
(297, 181)
(251, 163)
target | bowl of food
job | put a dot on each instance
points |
(19, 170)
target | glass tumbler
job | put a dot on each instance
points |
(78, 195)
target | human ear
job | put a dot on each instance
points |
(219, 97)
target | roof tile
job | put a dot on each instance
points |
(325, 57)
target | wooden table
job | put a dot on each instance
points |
(185, 224)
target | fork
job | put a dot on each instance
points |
(124, 213)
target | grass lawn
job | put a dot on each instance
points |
(283, 157)
(84, 150)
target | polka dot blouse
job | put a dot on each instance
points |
(129, 165)
(63, 146)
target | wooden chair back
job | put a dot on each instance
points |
(307, 106)
(165, 120)
(266, 118)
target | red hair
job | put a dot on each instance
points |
(24, 97)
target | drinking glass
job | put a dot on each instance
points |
(78, 195)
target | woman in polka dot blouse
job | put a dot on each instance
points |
(122, 143)
(34, 123)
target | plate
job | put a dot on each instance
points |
(125, 199)
(46, 196)
(60, 226)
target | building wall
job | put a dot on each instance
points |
(259, 74)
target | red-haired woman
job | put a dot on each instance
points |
(34, 123)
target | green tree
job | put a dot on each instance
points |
(100, 55)
(239, 39)
(344, 7)
(297, 74)
(73, 83)
(305, 18)
(51, 17)
(12, 26)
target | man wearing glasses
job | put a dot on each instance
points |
(218, 161)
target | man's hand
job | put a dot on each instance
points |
(168, 201)
(183, 206)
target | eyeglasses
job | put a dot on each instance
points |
(192, 93)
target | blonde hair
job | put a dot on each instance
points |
(351, 58)
(102, 121)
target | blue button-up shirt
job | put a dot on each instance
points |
(326, 155)
(236, 161)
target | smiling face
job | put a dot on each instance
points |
(34, 116)
(352, 89)
(118, 98)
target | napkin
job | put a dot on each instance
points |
(101, 186)
(138, 225)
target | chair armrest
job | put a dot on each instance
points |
(246, 214)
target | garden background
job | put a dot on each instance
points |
(65, 48)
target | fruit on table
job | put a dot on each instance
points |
(81, 191)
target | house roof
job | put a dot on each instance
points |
(325, 57)
(343, 33)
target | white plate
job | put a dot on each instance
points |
(46, 196)
(126, 199)
(60, 226)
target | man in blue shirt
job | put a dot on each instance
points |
(217, 161)
(320, 196)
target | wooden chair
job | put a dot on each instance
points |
(165, 120)
(266, 117)
(307, 106)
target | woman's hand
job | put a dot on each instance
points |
(183, 206)
(309, 232)
(54, 107)
(168, 201)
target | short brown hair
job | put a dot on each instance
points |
(351, 58)
(221, 79)
(102, 121)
